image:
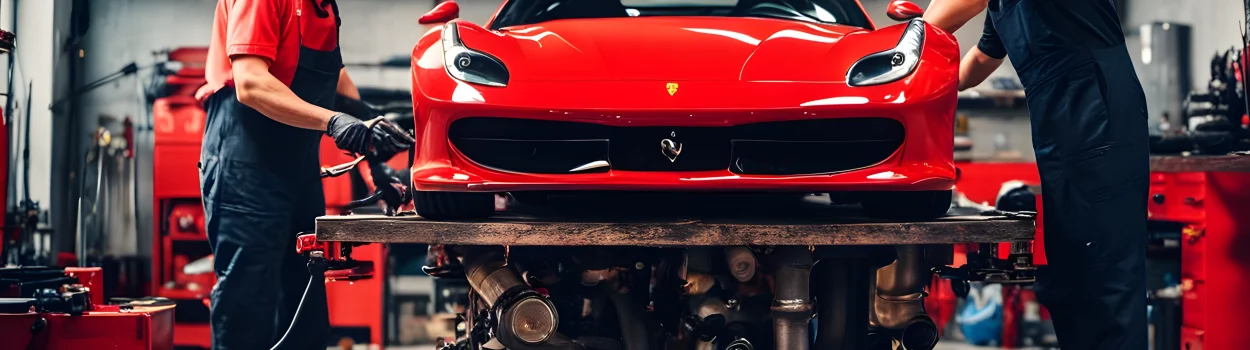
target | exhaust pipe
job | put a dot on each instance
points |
(792, 307)
(742, 263)
(842, 285)
(524, 319)
(630, 312)
(899, 296)
(919, 334)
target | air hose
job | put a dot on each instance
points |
(317, 272)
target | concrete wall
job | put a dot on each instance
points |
(33, 77)
(131, 30)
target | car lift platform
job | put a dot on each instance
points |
(679, 221)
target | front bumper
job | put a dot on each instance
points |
(924, 162)
(896, 177)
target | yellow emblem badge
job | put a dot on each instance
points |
(672, 88)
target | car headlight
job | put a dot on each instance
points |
(470, 65)
(890, 65)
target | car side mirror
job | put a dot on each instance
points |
(902, 10)
(443, 13)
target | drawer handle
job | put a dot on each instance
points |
(1157, 198)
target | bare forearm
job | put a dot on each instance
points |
(259, 89)
(347, 87)
(975, 68)
(950, 15)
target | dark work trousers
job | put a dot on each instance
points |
(260, 185)
(1090, 136)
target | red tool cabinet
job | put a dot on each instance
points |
(1215, 265)
(132, 327)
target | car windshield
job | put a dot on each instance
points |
(522, 12)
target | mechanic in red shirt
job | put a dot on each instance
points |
(273, 72)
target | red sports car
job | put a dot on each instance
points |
(684, 95)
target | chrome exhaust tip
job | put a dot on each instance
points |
(527, 316)
(919, 334)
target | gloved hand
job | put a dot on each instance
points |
(380, 142)
(392, 184)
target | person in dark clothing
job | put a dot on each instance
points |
(1090, 136)
(272, 72)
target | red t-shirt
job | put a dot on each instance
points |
(270, 29)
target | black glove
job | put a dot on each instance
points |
(381, 142)
(392, 184)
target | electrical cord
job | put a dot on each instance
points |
(316, 271)
(295, 318)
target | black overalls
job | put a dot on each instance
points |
(260, 184)
(1089, 133)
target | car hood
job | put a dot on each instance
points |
(670, 48)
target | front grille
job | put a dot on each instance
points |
(771, 148)
(531, 146)
(639, 149)
(814, 146)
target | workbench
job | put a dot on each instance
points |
(1200, 164)
(1210, 195)
(677, 221)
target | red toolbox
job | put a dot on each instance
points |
(1177, 197)
(1214, 273)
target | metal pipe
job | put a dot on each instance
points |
(742, 263)
(841, 287)
(593, 277)
(919, 334)
(899, 296)
(489, 275)
(491, 278)
(706, 306)
(792, 307)
(630, 312)
(8, 100)
(30, 91)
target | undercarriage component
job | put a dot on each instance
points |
(740, 344)
(985, 266)
(742, 263)
(898, 303)
(919, 334)
(842, 285)
(517, 316)
(630, 311)
(792, 307)
(900, 289)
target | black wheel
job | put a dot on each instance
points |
(907, 205)
(531, 198)
(454, 205)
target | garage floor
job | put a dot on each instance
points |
(941, 346)
(962, 346)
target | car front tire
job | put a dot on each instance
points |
(907, 205)
(454, 205)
